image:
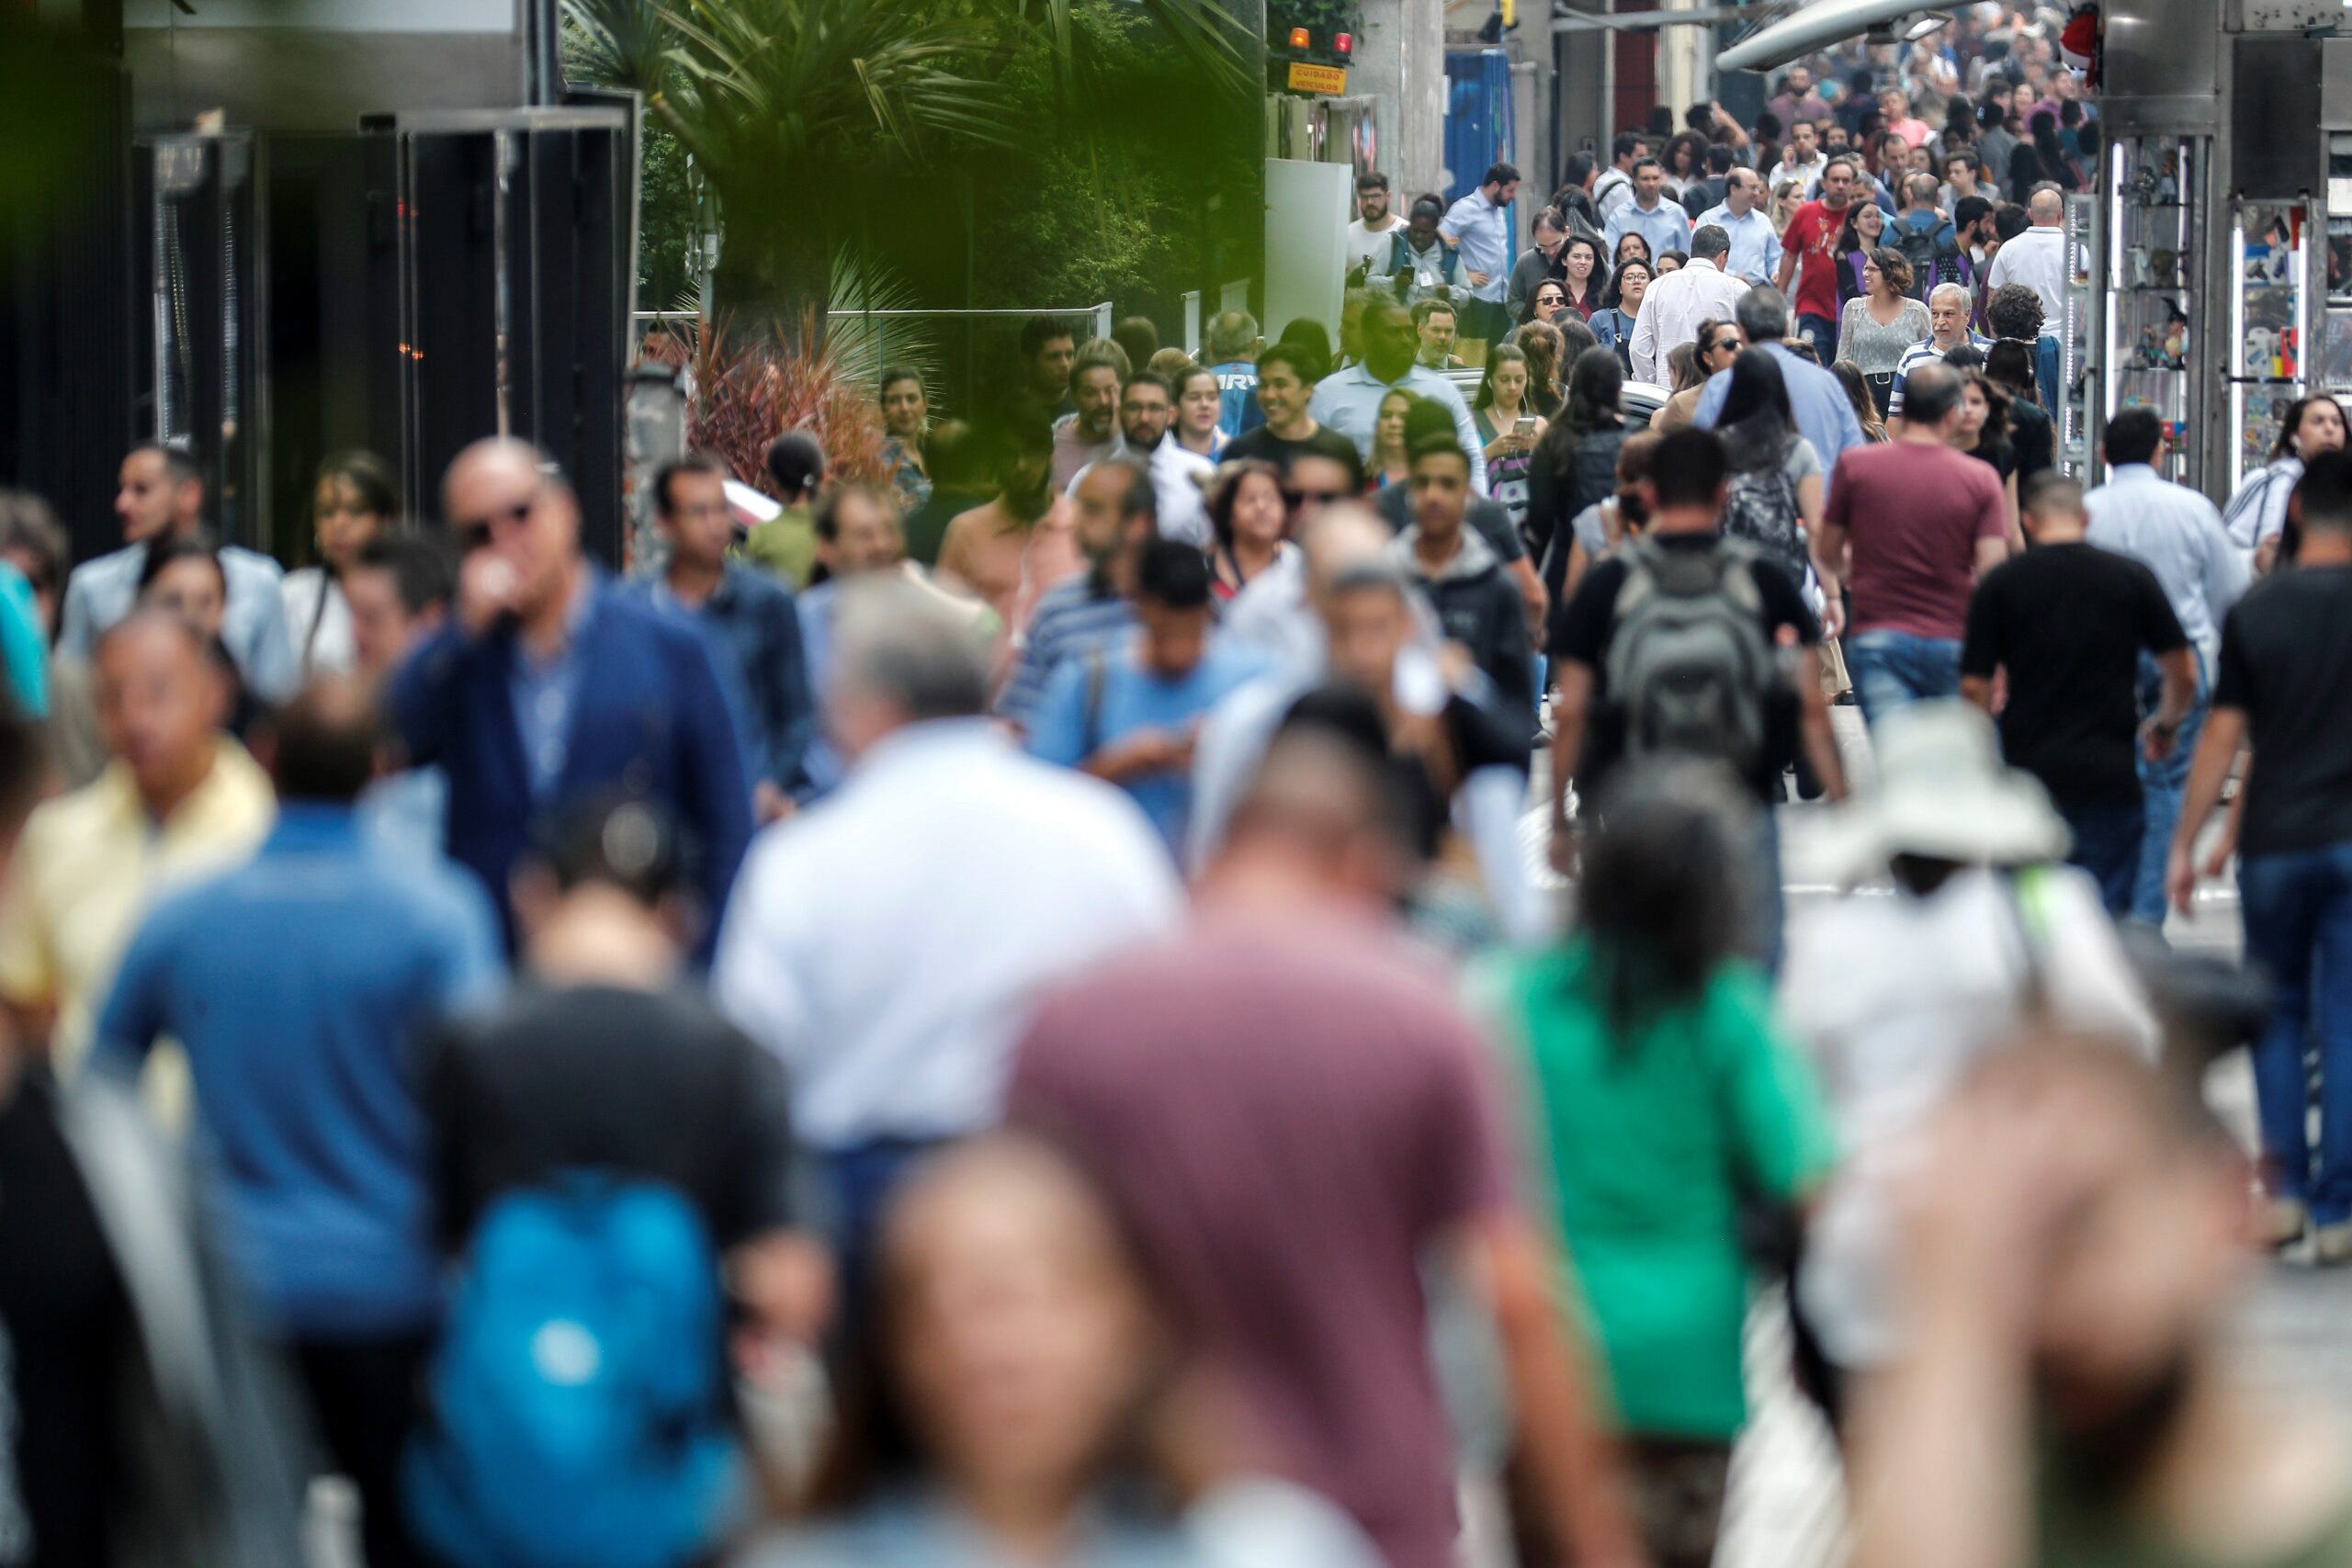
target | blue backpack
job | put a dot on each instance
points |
(580, 1412)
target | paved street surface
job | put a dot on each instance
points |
(1787, 1503)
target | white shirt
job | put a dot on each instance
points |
(312, 596)
(2176, 534)
(1897, 998)
(1673, 308)
(2036, 258)
(1349, 401)
(1370, 244)
(1178, 479)
(2259, 510)
(1809, 173)
(890, 943)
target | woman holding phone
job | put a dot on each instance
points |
(1509, 425)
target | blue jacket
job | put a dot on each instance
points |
(755, 631)
(651, 717)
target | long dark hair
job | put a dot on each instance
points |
(1504, 354)
(1757, 416)
(2293, 421)
(1544, 344)
(1696, 145)
(1615, 299)
(2055, 165)
(1595, 381)
(1664, 900)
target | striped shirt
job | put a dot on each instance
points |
(1075, 617)
(1918, 354)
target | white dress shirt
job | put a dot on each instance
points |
(1673, 308)
(1809, 173)
(2176, 534)
(889, 944)
(1349, 401)
(2036, 258)
(1179, 483)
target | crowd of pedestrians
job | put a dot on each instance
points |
(1007, 1016)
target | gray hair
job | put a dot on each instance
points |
(1713, 240)
(1233, 334)
(1762, 314)
(896, 642)
(1940, 289)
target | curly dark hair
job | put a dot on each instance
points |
(2015, 311)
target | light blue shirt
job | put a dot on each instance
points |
(2176, 534)
(1755, 244)
(1666, 226)
(102, 591)
(300, 987)
(1823, 416)
(1131, 699)
(822, 765)
(544, 692)
(1349, 401)
(1484, 231)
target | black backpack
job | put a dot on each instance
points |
(1933, 253)
(1690, 667)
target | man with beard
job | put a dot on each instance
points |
(2076, 1237)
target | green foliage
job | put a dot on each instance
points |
(665, 239)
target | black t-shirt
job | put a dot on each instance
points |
(2031, 438)
(1474, 737)
(2286, 663)
(2069, 621)
(655, 1086)
(1999, 454)
(1484, 518)
(1584, 627)
(64, 1338)
(1265, 446)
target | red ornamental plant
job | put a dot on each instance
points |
(749, 388)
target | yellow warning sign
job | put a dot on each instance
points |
(1305, 78)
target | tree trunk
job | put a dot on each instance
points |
(773, 281)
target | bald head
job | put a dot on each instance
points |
(2046, 208)
(324, 743)
(505, 498)
(1346, 535)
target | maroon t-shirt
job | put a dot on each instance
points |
(1289, 1112)
(1914, 512)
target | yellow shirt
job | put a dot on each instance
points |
(87, 867)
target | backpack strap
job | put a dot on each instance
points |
(1098, 675)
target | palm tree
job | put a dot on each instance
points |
(801, 112)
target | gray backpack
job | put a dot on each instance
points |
(1690, 666)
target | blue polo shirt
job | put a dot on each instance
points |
(300, 986)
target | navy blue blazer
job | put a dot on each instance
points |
(652, 718)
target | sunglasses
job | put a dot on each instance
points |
(477, 533)
(1551, 299)
(1722, 343)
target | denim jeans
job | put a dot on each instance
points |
(1822, 333)
(2161, 787)
(2299, 927)
(1770, 902)
(1894, 670)
(2107, 845)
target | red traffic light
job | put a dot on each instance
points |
(1299, 37)
(1345, 43)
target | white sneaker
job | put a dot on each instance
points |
(2331, 1245)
